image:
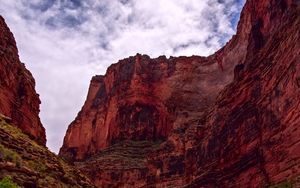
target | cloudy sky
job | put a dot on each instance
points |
(65, 42)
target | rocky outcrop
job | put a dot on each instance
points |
(18, 98)
(121, 165)
(227, 120)
(31, 165)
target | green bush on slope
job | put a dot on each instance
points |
(6, 182)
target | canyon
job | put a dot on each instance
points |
(227, 120)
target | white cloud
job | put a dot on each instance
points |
(65, 42)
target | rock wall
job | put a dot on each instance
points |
(175, 88)
(141, 98)
(227, 120)
(249, 138)
(18, 98)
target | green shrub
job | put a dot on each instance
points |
(38, 166)
(6, 182)
(284, 184)
(11, 156)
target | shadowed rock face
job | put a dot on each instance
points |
(18, 98)
(232, 128)
(249, 138)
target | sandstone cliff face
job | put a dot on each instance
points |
(232, 128)
(143, 99)
(18, 98)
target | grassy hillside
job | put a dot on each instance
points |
(27, 164)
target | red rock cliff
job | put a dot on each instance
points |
(18, 98)
(142, 98)
(251, 136)
(231, 128)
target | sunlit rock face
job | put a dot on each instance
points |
(18, 98)
(227, 120)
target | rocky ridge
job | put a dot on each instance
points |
(32, 165)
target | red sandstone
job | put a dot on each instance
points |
(18, 98)
(232, 128)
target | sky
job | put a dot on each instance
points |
(66, 42)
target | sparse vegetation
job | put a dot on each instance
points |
(37, 166)
(284, 184)
(32, 164)
(6, 182)
(125, 155)
(10, 156)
